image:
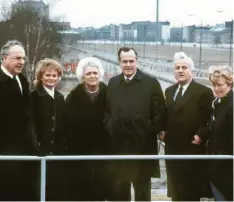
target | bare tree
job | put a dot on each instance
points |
(35, 29)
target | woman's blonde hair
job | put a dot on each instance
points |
(217, 71)
(44, 65)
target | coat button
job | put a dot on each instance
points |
(52, 129)
(51, 153)
(53, 118)
(52, 141)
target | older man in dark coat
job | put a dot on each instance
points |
(16, 136)
(189, 109)
(136, 112)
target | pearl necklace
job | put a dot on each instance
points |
(91, 91)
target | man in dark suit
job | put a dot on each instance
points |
(136, 109)
(189, 109)
(16, 136)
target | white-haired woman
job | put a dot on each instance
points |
(86, 106)
(49, 120)
(221, 132)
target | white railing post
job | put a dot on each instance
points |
(43, 180)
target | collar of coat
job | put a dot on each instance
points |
(4, 77)
(42, 92)
(138, 76)
(80, 87)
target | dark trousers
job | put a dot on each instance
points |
(89, 181)
(18, 181)
(122, 189)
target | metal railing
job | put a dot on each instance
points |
(104, 157)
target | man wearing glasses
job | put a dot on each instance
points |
(16, 132)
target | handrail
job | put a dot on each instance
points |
(103, 157)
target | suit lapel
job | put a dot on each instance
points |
(170, 98)
(24, 86)
(186, 96)
(221, 109)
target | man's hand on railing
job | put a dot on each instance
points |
(161, 135)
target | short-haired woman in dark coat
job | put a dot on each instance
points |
(86, 106)
(221, 132)
(49, 120)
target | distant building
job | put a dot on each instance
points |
(188, 34)
(126, 32)
(63, 25)
(202, 34)
(114, 32)
(35, 5)
(220, 35)
(176, 34)
(145, 31)
(104, 33)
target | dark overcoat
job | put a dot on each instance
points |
(87, 136)
(186, 118)
(16, 138)
(50, 126)
(136, 113)
(221, 143)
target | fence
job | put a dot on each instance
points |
(104, 157)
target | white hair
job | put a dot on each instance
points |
(182, 56)
(89, 61)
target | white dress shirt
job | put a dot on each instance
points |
(49, 91)
(184, 89)
(130, 78)
(10, 75)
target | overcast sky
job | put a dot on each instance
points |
(83, 13)
(102, 12)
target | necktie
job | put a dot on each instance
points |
(127, 80)
(16, 84)
(179, 94)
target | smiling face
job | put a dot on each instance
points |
(50, 78)
(91, 76)
(183, 72)
(220, 86)
(14, 60)
(128, 63)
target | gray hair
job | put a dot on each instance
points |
(216, 71)
(182, 56)
(8, 45)
(89, 61)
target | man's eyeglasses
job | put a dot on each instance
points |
(19, 58)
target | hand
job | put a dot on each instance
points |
(161, 135)
(196, 140)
